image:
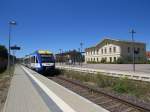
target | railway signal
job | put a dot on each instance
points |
(133, 55)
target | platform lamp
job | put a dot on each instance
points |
(81, 47)
(11, 23)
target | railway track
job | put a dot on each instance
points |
(106, 101)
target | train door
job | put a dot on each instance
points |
(37, 64)
(32, 62)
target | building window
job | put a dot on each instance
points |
(110, 49)
(114, 49)
(105, 50)
(97, 51)
(129, 49)
(97, 59)
(33, 59)
(102, 51)
(110, 59)
(91, 59)
(115, 59)
(36, 60)
(137, 51)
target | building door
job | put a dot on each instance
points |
(115, 59)
(110, 59)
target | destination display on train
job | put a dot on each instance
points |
(44, 52)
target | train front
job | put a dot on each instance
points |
(47, 61)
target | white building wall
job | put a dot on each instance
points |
(97, 54)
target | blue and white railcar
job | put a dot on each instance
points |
(41, 61)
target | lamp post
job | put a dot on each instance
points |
(81, 46)
(60, 57)
(133, 55)
(11, 23)
(79, 57)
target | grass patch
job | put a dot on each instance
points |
(4, 85)
(124, 85)
(6, 72)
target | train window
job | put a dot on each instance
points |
(47, 58)
(36, 60)
(33, 59)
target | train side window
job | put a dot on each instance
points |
(36, 60)
(33, 59)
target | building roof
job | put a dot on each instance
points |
(107, 39)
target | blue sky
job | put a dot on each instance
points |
(55, 24)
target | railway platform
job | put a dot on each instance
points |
(32, 92)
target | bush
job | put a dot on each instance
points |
(103, 60)
(148, 62)
(129, 60)
(140, 60)
(3, 58)
(103, 81)
(3, 52)
(124, 60)
(120, 60)
(123, 85)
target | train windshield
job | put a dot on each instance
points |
(47, 58)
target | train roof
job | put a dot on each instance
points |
(43, 52)
(39, 52)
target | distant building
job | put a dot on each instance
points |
(148, 55)
(69, 57)
(109, 50)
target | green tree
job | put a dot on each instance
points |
(103, 60)
(3, 58)
(120, 60)
(3, 52)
